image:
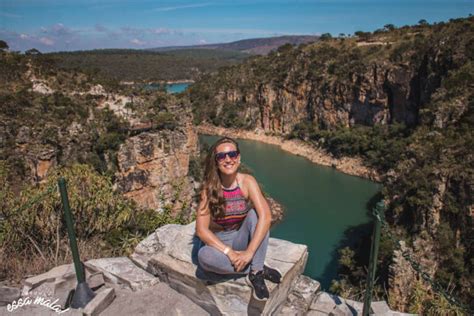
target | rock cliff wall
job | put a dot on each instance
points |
(378, 92)
(153, 168)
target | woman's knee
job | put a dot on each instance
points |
(205, 257)
(210, 259)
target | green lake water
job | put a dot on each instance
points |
(324, 209)
(170, 88)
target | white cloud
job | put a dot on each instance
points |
(24, 36)
(46, 41)
(179, 7)
(136, 41)
(233, 31)
(202, 41)
(161, 30)
(10, 15)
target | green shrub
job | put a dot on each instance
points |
(164, 120)
(103, 219)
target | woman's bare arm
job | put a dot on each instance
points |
(263, 225)
(263, 212)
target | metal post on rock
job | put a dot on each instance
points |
(83, 294)
(374, 249)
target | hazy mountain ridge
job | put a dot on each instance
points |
(254, 46)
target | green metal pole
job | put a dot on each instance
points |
(83, 294)
(70, 231)
(374, 249)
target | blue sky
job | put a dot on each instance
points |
(54, 25)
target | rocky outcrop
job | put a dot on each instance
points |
(41, 87)
(121, 270)
(159, 299)
(121, 288)
(352, 166)
(42, 152)
(170, 253)
(302, 293)
(163, 278)
(153, 168)
(276, 209)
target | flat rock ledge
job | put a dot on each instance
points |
(170, 253)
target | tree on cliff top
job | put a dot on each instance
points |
(3, 45)
(32, 51)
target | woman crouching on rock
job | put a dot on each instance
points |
(233, 220)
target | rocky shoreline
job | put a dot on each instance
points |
(348, 165)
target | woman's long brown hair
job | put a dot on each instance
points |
(212, 181)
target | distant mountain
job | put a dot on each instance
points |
(255, 46)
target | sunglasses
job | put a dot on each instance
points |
(232, 155)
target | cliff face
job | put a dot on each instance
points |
(383, 92)
(153, 168)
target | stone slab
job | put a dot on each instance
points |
(330, 304)
(302, 293)
(100, 302)
(63, 290)
(380, 307)
(315, 313)
(8, 295)
(37, 310)
(356, 307)
(58, 283)
(65, 270)
(157, 300)
(122, 270)
(171, 254)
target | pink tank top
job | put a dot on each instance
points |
(236, 209)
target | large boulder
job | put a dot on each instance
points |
(171, 254)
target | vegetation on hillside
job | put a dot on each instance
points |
(33, 236)
(140, 65)
(69, 120)
(68, 128)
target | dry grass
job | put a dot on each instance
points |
(16, 267)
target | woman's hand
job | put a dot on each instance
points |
(240, 259)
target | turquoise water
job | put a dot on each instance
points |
(324, 209)
(171, 88)
(177, 87)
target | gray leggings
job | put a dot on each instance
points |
(213, 260)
